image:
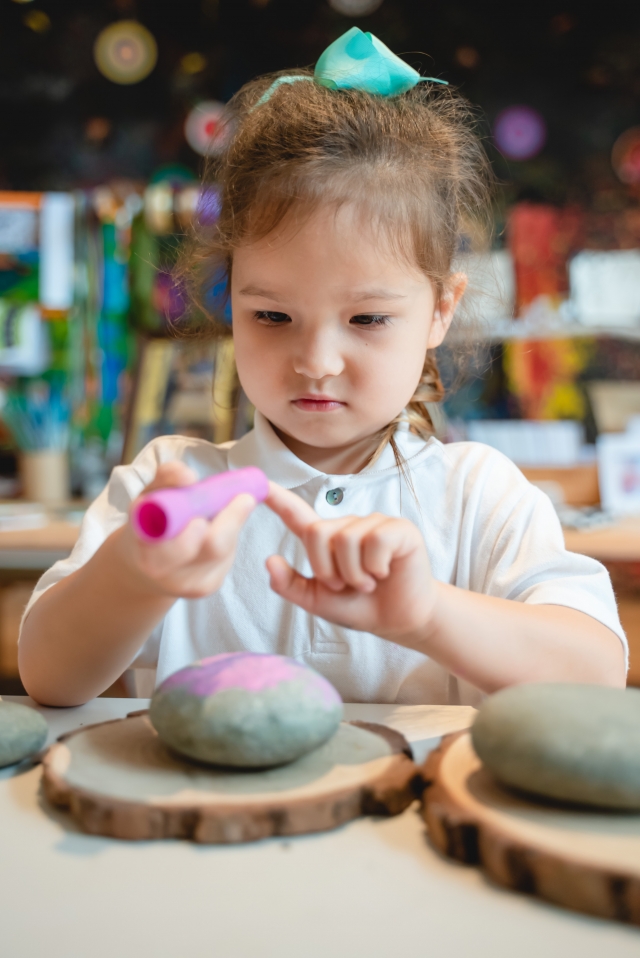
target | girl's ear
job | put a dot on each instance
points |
(444, 311)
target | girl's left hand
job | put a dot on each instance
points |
(371, 573)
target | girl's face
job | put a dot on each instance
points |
(331, 332)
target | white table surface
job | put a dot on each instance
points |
(371, 889)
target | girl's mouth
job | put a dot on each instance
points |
(317, 403)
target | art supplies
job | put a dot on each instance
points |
(25, 346)
(38, 417)
(565, 742)
(530, 443)
(578, 858)
(544, 794)
(165, 513)
(189, 388)
(22, 732)
(245, 709)
(44, 475)
(56, 290)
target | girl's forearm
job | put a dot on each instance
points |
(493, 643)
(84, 631)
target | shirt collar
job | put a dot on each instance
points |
(261, 447)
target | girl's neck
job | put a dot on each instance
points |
(338, 461)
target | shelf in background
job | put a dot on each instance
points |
(519, 329)
(38, 545)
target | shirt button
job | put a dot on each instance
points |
(335, 497)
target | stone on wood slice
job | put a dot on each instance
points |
(23, 731)
(575, 743)
(245, 710)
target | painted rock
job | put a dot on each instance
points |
(576, 743)
(22, 732)
(246, 710)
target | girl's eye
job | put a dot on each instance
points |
(369, 320)
(268, 318)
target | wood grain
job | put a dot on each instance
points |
(578, 858)
(118, 779)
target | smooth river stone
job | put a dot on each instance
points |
(23, 731)
(576, 743)
(245, 710)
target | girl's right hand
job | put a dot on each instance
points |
(194, 563)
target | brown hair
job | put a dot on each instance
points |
(413, 163)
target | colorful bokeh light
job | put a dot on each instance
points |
(520, 132)
(625, 156)
(125, 52)
(207, 128)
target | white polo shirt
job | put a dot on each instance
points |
(485, 527)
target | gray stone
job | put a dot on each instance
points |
(576, 743)
(244, 710)
(23, 731)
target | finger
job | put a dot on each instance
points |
(344, 609)
(223, 531)
(296, 514)
(317, 539)
(347, 551)
(315, 533)
(160, 557)
(170, 474)
(389, 540)
(200, 544)
(292, 586)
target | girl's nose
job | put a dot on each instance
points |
(318, 356)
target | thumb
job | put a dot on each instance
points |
(292, 586)
(225, 528)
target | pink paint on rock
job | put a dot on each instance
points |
(253, 672)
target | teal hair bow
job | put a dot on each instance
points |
(358, 61)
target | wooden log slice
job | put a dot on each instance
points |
(119, 780)
(580, 858)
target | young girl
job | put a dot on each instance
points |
(401, 569)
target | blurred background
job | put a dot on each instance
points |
(108, 110)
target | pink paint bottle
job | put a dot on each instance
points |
(164, 514)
